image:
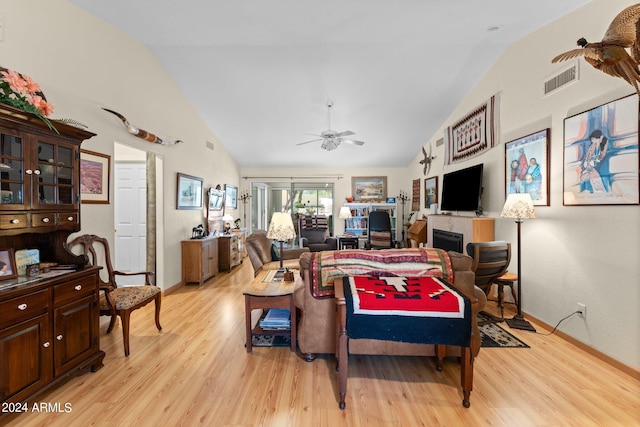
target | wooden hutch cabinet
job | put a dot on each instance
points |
(49, 324)
(199, 260)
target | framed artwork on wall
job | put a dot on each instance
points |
(369, 188)
(601, 155)
(189, 192)
(527, 166)
(430, 191)
(94, 177)
(231, 196)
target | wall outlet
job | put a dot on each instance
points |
(583, 310)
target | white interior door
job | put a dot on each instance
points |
(131, 220)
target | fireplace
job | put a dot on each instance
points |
(447, 240)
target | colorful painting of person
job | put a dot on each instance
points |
(591, 179)
(533, 179)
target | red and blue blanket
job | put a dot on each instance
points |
(423, 310)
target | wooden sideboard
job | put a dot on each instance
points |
(199, 260)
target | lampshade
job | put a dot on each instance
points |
(281, 227)
(227, 217)
(345, 212)
(518, 206)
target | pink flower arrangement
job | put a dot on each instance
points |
(22, 92)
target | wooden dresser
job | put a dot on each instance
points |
(231, 250)
(49, 322)
(199, 260)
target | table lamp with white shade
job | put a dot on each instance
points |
(519, 206)
(281, 229)
(226, 219)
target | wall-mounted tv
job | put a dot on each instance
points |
(461, 190)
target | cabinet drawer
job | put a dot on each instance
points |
(65, 218)
(17, 309)
(74, 290)
(12, 221)
(43, 219)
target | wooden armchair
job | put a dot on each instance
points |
(114, 300)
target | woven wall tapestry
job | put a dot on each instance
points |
(475, 133)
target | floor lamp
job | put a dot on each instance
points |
(281, 229)
(519, 206)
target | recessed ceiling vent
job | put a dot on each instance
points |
(562, 79)
(210, 145)
(439, 142)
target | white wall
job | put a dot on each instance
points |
(570, 254)
(83, 64)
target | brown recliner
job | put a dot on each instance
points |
(260, 252)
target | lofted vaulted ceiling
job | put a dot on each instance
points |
(260, 72)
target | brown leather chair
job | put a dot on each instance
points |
(118, 300)
(315, 235)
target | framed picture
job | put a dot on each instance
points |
(369, 188)
(231, 196)
(189, 192)
(430, 191)
(94, 177)
(601, 155)
(527, 166)
(8, 268)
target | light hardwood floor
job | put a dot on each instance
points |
(197, 372)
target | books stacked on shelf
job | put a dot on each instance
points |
(276, 319)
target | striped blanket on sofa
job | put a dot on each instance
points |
(325, 267)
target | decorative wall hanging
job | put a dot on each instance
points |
(142, 134)
(475, 133)
(610, 55)
(94, 177)
(527, 166)
(427, 159)
(601, 155)
(415, 196)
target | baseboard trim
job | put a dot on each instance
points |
(174, 288)
(629, 370)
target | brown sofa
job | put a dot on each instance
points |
(260, 254)
(316, 326)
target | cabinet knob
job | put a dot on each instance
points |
(28, 171)
(37, 171)
(15, 221)
(46, 345)
(45, 220)
(59, 337)
(77, 287)
(22, 307)
(69, 218)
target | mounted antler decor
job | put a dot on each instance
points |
(143, 134)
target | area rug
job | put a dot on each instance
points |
(270, 341)
(493, 335)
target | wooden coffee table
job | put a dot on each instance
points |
(264, 294)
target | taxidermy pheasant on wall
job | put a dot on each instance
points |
(610, 55)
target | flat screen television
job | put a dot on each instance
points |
(461, 190)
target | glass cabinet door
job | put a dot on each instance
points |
(55, 174)
(12, 165)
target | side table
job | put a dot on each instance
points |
(347, 242)
(270, 294)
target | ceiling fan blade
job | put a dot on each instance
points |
(345, 133)
(308, 142)
(352, 141)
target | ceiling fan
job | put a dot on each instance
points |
(332, 139)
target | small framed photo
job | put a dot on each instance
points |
(8, 268)
(527, 166)
(94, 177)
(601, 155)
(369, 188)
(189, 193)
(391, 199)
(430, 191)
(231, 196)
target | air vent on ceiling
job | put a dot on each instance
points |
(210, 145)
(439, 142)
(562, 79)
